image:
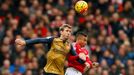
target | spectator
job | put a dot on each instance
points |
(17, 67)
(109, 45)
(2, 29)
(6, 67)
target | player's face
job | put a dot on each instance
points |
(83, 41)
(66, 32)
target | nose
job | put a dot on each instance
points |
(68, 33)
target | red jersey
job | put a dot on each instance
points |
(72, 60)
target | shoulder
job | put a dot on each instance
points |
(49, 37)
(57, 39)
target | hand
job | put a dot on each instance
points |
(87, 66)
(95, 64)
(20, 42)
(82, 56)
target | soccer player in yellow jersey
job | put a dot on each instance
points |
(59, 48)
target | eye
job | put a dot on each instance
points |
(66, 30)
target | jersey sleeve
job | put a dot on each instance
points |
(39, 40)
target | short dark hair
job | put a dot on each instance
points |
(65, 26)
(81, 33)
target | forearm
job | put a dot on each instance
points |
(89, 62)
(33, 41)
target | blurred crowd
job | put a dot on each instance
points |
(109, 24)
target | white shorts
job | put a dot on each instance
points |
(72, 71)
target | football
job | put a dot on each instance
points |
(81, 6)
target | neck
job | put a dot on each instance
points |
(62, 38)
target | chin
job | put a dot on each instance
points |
(66, 38)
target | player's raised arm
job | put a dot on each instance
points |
(23, 42)
(39, 40)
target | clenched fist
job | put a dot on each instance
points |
(87, 66)
(20, 42)
(82, 56)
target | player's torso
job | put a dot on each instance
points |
(57, 55)
(59, 48)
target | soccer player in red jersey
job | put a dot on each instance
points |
(74, 67)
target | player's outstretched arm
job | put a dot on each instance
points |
(33, 41)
